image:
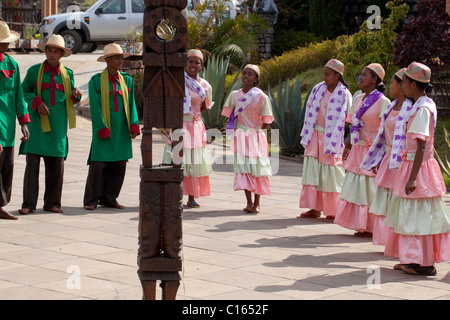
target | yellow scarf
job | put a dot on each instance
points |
(45, 123)
(104, 88)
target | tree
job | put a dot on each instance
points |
(327, 18)
(372, 46)
(425, 39)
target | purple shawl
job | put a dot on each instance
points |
(356, 119)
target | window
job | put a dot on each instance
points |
(113, 6)
(137, 6)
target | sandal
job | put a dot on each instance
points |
(398, 266)
(311, 214)
(416, 269)
(364, 234)
(255, 210)
(193, 204)
(54, 210)
(329, 219)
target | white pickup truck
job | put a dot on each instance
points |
(106, 21)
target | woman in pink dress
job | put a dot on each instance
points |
(378, 159)
(250, 112)
(358, 189)
(323, 139)
(195, 161)
(417, 214)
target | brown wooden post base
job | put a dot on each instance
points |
(170, 281)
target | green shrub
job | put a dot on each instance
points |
(294, 62)
(288, 39)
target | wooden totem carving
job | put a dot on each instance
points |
(161, 193)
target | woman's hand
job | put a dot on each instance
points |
(410, 187)
(375, 170)
(345, 154)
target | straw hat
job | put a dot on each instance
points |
(112, 49)
(56, 41)
(419, 72)
(253, 67)
(7, 35)
(378, 69)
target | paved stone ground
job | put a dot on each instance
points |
(227, 254)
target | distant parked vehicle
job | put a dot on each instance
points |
(106, 21)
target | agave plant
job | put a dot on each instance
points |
(289, 114)
(215, 73)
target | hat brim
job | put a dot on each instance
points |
(335, 69)
(12, 37)
(42, 46)
(102, 58)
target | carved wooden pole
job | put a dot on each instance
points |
(161, 189)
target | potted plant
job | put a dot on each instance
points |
(29, 40)
(132, 42)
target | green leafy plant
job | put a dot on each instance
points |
(235, 38)
(215, 72)
(289, 115)
(29, 31)
(372, 46)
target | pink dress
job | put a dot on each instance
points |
(251, 151)
(384, 182)
(359, 188)
(420, 222)
(323, 174)
(196, 162)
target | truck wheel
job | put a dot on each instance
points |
(72, 40)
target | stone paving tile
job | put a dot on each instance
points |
(227, 254)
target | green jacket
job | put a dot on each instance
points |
(118, 147)
(55, 142)
(12, 103)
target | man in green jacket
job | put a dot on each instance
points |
(50, 93)
(12, 106)
(114, 123)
